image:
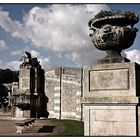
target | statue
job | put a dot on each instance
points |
(112, 34)
(28, 55)
(35, 62)
(25, 60)
(28, 61)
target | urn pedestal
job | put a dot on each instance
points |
(111, 99)
(112, 87)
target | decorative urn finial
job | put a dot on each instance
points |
(113, 32)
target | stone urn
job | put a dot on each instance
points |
(113, 33)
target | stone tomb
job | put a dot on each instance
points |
(111, 99)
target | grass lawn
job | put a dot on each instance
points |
(71, 128)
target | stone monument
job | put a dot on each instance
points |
(31, 100)
(112, 87)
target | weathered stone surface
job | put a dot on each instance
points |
(112, 80)
(31, 97)
(109, 79)
(111, 97)
(113, 60)
(24, 80)
(112, 34)
(115, 115)
(110, 120)
(113, 129)
(113, 38)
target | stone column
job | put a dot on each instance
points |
(111, 99)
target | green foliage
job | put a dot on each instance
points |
(130, 14)
(105, 13)
(72, 128)
(8, 76)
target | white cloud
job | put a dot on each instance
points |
(94, 7)
(2, 44)
(17, 52)
(7, 23)
(133, 55)
(60, 28)
(44, 61)
(13, 65)
(34, 53)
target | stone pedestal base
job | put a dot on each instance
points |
(111, 120)
(111, 99)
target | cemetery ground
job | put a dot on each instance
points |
(44, 128)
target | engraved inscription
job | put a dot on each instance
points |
(109, 79)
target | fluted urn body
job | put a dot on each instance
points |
(113, 33)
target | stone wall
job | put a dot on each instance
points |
(71, 94)
(64, 92)
(52, 84)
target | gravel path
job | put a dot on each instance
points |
(7, 128)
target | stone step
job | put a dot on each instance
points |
(34, 129)
(30, 131)
(42, 127)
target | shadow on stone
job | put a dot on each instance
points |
(47, 129)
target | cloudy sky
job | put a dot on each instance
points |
(57, 34)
